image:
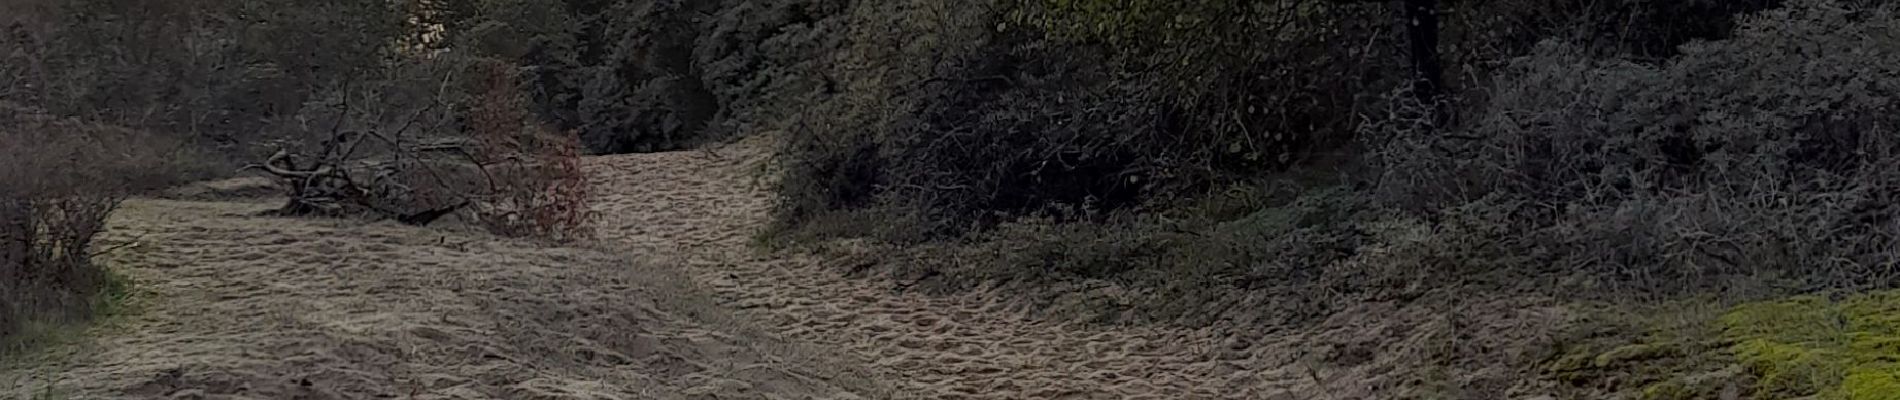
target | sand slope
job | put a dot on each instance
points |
(703, 207)
(236, 306)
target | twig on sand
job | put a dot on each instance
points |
(134, 242)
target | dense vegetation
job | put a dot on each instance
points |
(1274, 163)
(1250, 144)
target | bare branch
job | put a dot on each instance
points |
(270, 165)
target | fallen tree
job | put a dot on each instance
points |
(480, 155)
(328, 185)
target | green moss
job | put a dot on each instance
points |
(1809, 346)
(1673, 389)
(1660, 352)
(1872, 382)
(1807, 320)
(1784, 370)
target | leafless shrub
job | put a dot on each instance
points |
(59, 180)
(44, 257)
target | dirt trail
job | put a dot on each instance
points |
(702, 208)
(237, 306)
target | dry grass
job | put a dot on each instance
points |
(241, 304)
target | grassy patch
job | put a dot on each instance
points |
(1665, 352)
(113, 300)
(115, 296)
(1808, 345)
(47, 341)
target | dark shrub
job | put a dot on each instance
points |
(656, 75)
(977, 117)
(59, 180)
(1765, 153)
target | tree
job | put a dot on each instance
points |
(1421, 28)
(1421, 32)
(1218, 25)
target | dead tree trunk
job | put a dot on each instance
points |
(1421, 19)
(1421, 28)
(16, 242)
(328, 187)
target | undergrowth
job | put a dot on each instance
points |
(1754, 166)
(1749, 165)
(60, 178)
(115, 299)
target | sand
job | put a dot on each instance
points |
(673, 301)
(232, 305)
(703, 208)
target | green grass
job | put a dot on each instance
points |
(1803, 347)
(27, 346)
(115, 298)
(1811, 346)
(33, 344)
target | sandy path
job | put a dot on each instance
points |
(236, 306)
(703, 207)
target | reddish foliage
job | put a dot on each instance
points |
(536, 186)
